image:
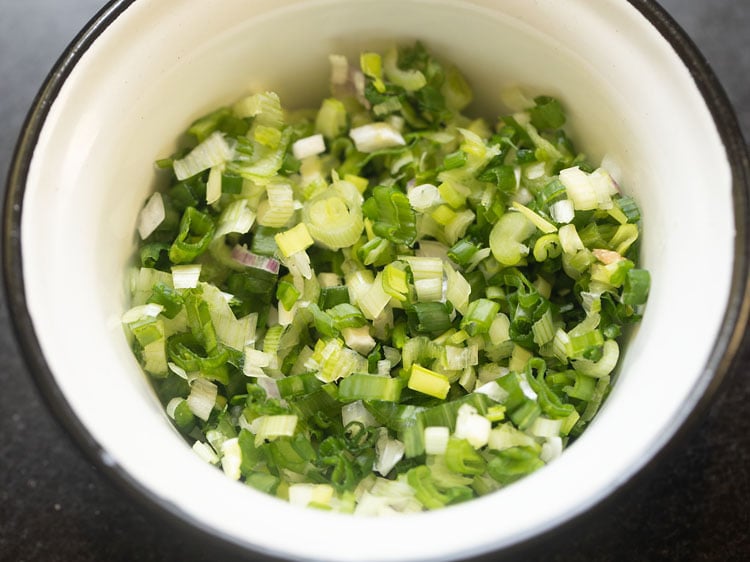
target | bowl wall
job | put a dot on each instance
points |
(158, 65)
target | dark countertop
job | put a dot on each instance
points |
(693, 503)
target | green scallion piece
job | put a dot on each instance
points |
(392, 215)
(287, 294)
(231, 184)
(195, 234)
(264, 241)
(462, 458)
(511, 464)
(298, 385)
(333, 296)
(170, 299)
(636, 287)
(547, 113)
(346, 315)
(370, 387)
(462, 251)
(479, 317)
(428, 318)
(455, 160)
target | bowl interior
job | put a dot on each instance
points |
(159, 65)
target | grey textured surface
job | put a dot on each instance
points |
(692, 504)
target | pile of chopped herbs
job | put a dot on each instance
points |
(381, 305)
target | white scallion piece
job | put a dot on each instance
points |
(458, 358)
(545, 427)
(551, 449)
(396, 121)
(387, 497)
(299, 264)
(468, 379)
(213, 186)
(477, 258)
(604, 186)
(472, 426)
(237, 217)
(177, 370)
(515, 99)
(517, 175)
(202, 398)
(215, 438)
(425, 267)
(429, 290)
(151, 310)
(432, 249)
(155, 357)
(613, 168)
(388, 452)
(231, 458)
(569, 239)
(562, 211)
(211, 152)
(328, 279)
(303, 495)
(152, 215)
(591, 301)
(459, 225)
(264, 106)
(309, 146)
(358, 79)
(172, 405)
(384, 367)
(580, 188)
(339, 69)
(256, 361)
(376, 136)
(458, 289)
(436, 440)
(359, 339)
(205, 452)
(382, 323)
(392, 355)
(535, 171)
(367, 293)
(186, 276)
(356, 412)
(269, 385)
(491, 372)
(528, 392)
(423, 197)
(500, 329)
(493, 390)
(279, 207)
(271, 427)
(286, 317)
(523, 196)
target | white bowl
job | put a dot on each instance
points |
(635, 89)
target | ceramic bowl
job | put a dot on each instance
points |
(635, 89)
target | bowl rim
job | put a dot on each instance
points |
(715, 372)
